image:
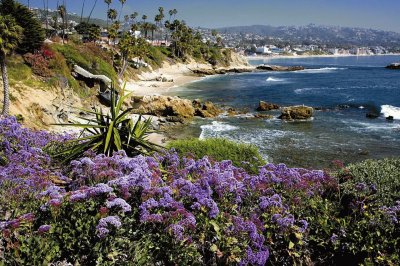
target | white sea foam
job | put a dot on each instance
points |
(272, 79)
(320, 70)
(390, 110)
(215, 128)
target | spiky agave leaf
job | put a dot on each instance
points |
(109, 132)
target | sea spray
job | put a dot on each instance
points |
(390, 110)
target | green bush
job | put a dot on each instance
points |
(383, 175)
(241, 155)
(88, 56)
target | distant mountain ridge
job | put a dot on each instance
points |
(315, 34)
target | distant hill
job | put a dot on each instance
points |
(329, 35)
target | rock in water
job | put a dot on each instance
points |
(372, 115)
(296, 112)
(264, 106)
(279, 68)
(394, 66)
(208, 110)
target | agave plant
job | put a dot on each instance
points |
(109, 132)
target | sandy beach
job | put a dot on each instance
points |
(161, 81)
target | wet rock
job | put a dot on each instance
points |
(296, 112)
(372, 115)
(265, 106)
(390, 118)
(232, 112)
(263, 116)
(394, 66)
(280, 68)
(196, 103)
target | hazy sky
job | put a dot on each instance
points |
(377, 14)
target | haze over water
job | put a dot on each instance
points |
(345, 88)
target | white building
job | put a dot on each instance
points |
(262, 50)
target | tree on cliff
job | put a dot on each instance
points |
(33, 34)
(10, 36)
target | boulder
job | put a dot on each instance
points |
(208, 110)
(394, 66)
(264, 106)
(390, 118)
(372, 115)
(279, 68)
(163, 106)
(296, 112)
(196, 103)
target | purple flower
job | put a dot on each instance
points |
(44, 229)
(120, 203)
(99, 189)
(104, 223)
(78, 196)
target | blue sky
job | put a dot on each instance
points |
(377, 14)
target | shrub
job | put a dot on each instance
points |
(382, 176)
(241, 155)
(109, 132)
(39, 64)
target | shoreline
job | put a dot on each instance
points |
(162, 80)
(263, 57)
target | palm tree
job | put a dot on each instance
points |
(122, 7)
(174, 12)
(133, 16)
(83, 7)
(62, 12)
(144, 17)
(112, 14)
(91, 11)
(152, 27)
(108, 2)
(10, 36)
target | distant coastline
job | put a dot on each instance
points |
(311, 56)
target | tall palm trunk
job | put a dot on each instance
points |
(6, 103)
(91, 11)
(83, 7)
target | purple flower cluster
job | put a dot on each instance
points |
(103, 228)
(393, 212)
(119, 203)
(180, 196)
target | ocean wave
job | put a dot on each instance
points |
(272, 79)
(215, 128)
(320, 70)
(390, 110)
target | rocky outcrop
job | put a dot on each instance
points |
(166, 106)
(394, 66)
(279, 68)
(208, 109)
(265, 106)
(296, 112)
(220, 71)
(174, 109)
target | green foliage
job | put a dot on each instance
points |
(383, 174)
(157, 55)
(111, 132)
(241, 155)
(90, 32)
(33, 34)
(88, 56)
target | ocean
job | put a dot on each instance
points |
(344, 89)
